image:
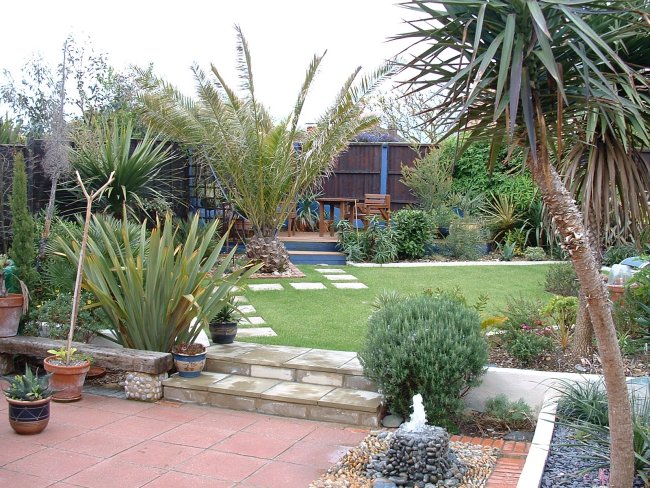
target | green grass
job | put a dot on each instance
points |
(337, 319)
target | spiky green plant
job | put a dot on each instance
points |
(152, 295)
(105, 148)
(29, 387)
(253, 157)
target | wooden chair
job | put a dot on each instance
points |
(373, 204)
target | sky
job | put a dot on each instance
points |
(283, 36)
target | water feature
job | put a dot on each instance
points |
(418, 456)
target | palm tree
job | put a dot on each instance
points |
(524, 72)
(253, 157)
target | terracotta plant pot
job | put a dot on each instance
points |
(223, 332)
(28, 418)
(11, 309)
(67, 381)
(189, 366)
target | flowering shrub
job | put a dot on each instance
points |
(526, 342)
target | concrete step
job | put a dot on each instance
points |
(317, 257)
(286, 363)
(311, 246)
(277, 397)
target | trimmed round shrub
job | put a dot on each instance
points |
(427, 345)
(414, 231)
(561, 279)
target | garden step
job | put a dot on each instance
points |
(317, 257)
(277, 397)
(298, 364)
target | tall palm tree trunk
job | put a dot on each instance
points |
(570, 225)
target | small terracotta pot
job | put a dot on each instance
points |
(11, 309)
(28, 418)
(67, 381)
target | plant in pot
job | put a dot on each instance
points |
(29, 398)
(223, 327)
(69, 369)
(12, 305)
(189, 359)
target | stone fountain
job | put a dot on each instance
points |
(418, 455)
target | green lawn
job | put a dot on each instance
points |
(337, 319)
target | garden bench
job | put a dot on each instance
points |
(145, 369)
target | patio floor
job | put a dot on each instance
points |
(107, 442)
(103, 441)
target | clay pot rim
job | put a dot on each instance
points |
(49, 360)
(33, 403)
(12, 300)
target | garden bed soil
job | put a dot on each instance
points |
(567, 362)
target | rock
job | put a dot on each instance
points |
(392, 421)
(580, 368)
(518, 435)
(383, 483)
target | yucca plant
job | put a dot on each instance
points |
(253, 157)
(105, 148)
(153, 294)
(543, 74)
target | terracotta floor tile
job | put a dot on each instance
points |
(100, 444)
(194, 435)
(225, 421)
(111, 473)
(255, 445)
(279, 427)
(139, 427)
(88, 418)
(22, 480)
(313, 454)
(116, 405)
(222, 465)
(157, 454)
(52, 464)
(181, 413)
(14, 447)
(173, 479)
(508, 446)
(57, 432)
(336, 436)
(282, 475)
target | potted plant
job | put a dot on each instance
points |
(12, 305)
(68, 371)
(189, 359)
(223, 327)
(29, 398)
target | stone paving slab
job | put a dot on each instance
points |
(240, 299)
(353, 366)
(252, 321)
(349, 286)
(308, 286)
(302, 393)
(341, 277)
(256, 332)
(236, 349)
(367, 401)
(272, 355)
(246, 309)
(243, 385)
(331, 271)
(322, 359)
(266, 287)
(202, 382)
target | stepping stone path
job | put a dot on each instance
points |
(341, 277)
(246, 309)
(252, 321)
(240, 299)
(349, 286)
(308, 286)
(331, 271)
(256, 332)
(266, 287)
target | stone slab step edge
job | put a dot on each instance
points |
(330, 407)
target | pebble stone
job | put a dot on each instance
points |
(143, 386)
(350, 470)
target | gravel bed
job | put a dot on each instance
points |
(566, 462)
(350, 470)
